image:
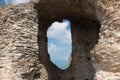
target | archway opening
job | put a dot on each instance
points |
(59, 43)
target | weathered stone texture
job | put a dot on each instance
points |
(106, 54)
(95, 40)
(18, 42)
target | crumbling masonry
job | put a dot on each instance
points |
(95, 29)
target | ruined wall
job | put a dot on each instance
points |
(106, 54)
(95, 40)
(18, 42)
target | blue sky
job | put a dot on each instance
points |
(2, 2)
(15, 2)
(59, 43)
(59, 38)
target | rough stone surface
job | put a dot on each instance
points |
(18, 42)
(106, 54)
(95, 40)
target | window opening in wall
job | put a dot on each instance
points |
(59, 43)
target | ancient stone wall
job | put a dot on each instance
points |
(106, 54)
(18, 42)
(95, 32)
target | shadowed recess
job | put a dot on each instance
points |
(85, 29)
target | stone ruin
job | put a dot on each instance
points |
(95, 29)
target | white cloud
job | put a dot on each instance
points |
(20, 1)
(56, 52)
(52, 48)
(60, 32)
